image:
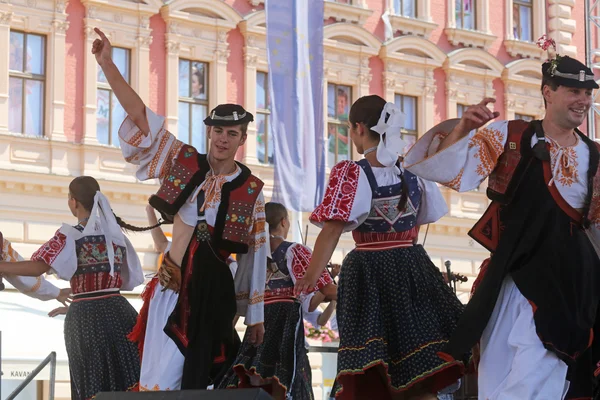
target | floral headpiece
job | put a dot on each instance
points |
(549, 45)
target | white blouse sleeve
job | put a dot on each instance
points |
(465, 164)
(433, 205)
(251, 275)
(59, 252)
(154, 152)
(131, 270)
(33, 286)
(347, 197)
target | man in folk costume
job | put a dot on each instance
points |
(217, 208)
(535, 309)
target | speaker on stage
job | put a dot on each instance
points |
(231, 394)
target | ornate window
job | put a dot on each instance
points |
(339, 145)
(406, 8)
(525, 23)
(196, 30)
(464, 14)
(348, 49)
(470, 74)
(109, 113)
(127, 25)
(523, 20)
(409, 105)
(264, 141)
(522, 97)
(468, 23)
(409, 64)
(350, 11)
(27, 83)
(193, 103)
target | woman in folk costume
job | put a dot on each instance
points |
(280, 364)
(99, 261)
(394, 311)
(217, 209)
(36, 287)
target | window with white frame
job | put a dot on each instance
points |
(464, 11)
(264, 141)
(524, 117)
(406, 8)
(408, 105)
(339, 146)
(109, 113)
(27, 79)
(523, 20)
(193, 103)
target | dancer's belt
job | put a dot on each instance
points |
(386, 245)
(96, 295)
(169, 274)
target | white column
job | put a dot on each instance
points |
(218, 89)
(56, 80)
(250, 61)
(89, 85)
(140, 68)
(5, 20)
(172, 87)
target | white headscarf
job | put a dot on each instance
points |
(102, 221)
(390, 148)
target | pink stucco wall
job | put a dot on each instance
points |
(74, 67)
(158, 65)
(235, 68)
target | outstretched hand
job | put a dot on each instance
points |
(65, 296)
(102, 48)
(305, 284)
(58, 311)
(478, 115)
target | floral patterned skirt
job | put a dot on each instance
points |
(281, 358)
(101, 358)
(395, 313)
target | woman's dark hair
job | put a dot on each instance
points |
(275, 213)
(367, 110)
(83, 189)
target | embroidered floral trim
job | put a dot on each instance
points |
(339, 196)
(489, 143)
(564, 163)
(455, 183)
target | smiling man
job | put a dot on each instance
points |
(185, 330)
(534, 311)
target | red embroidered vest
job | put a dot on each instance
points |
(238, 198)
(502, 186)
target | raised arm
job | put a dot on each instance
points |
(324, 247)
(460, 153)
(129, 99)
(158, 236)
(473, 118)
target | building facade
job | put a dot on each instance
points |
(59, 118)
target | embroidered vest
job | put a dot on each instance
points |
(238, 197)
(279, 281)
(385, 216)
(505, 179)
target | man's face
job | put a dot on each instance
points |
(225, 141)
(568, 106)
